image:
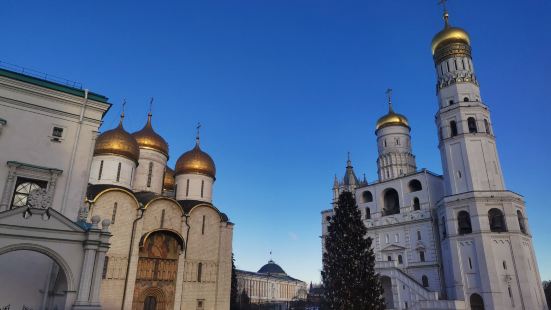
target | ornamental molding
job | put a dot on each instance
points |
(40, 198)
(455, 78)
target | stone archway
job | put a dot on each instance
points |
(152, 298)
(32, 279)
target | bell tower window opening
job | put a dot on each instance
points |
(119, 172)
(521, 222)
(100, 170)
(367, 196)
(391, 202)
(464, 222)
(453, 128)
(415, 185)
(497, 220)
(471, 123)
(149, 174)
(23, 188)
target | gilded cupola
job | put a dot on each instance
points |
(117, 142)
(147, 138)
(391, 118)
(449, 35)
(168, 180)
(196, 161)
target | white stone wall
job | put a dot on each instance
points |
(157, 173)
(396, 158)
(31, 112)
(194, 187)
(109, 170)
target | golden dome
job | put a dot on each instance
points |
(117, 142)
(147, 138)
(449, 35)
(196, 161)
(391, 118)
(169, 181)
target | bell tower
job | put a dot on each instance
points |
(486, 245)
(466, 139)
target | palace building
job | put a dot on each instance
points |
(460, 240)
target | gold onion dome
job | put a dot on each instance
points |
(391, 118)
(168, 180)
(117, 142)
(196, 161)
(147, 138)
(449, 35)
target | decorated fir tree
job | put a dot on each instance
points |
(234, 295)
(349, 278)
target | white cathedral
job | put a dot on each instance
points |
(457, 241)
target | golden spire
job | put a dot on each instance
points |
(122, 112)
(198, 137)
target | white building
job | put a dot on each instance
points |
(271, 287)
(457, 241)
(50, 258)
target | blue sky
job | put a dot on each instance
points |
(284, 89)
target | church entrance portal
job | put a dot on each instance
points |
(156, 275)
(31, 279)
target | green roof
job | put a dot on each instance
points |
(51, 85)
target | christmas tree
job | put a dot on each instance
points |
(234, 302)
(349, 278)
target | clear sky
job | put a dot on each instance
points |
(284, 89)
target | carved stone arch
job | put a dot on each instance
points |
(173, 233)
(220, 214)
(56, 257)
(155, 292)
(116, 189)
(175, 202)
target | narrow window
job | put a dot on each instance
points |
(487, 126)
(100, 169)
(163, 218)
(389, 258)
(203, 226)
(444, 228)
(387, 238)
(187, 187)
(418, 235)
(397, 141)
(149, 174)
(504, 265)
(463, 63)
(455, 63)
(471, 122)
(416, 204)
(57, 132)
(400, 259)
(105, 266)
(453, 128)
(441, 70)
(451, 102)
(422, 255)
(367, 214)
(425, 281)
(464, 222)
(521, 224)
(448, 66)
(396, 238)
(470, 264)
(131, 176)
(114, 215)
(384, 142)
(202, 187)
(199, 271)
(119, 172)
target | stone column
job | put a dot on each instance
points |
(90, 248)
(4, 202)
(100, 262)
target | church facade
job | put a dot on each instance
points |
(171, 247)
(460, 240)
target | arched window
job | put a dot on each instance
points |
(444, 234)
(521, 222)
(497, 221)
(391, 202)
(471, 123)
(425, 281)
(466, 99)
(389, 258)
(367, 196)
(476, 301)
(415, 185)
(464, 222)
(422, 256)
(367, 214)
(487, 126)
(453, 128)
(400, 259)
(416, 204)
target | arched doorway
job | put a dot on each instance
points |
(386, 282)
(155, 287)
(476, 301)
(33, 280)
